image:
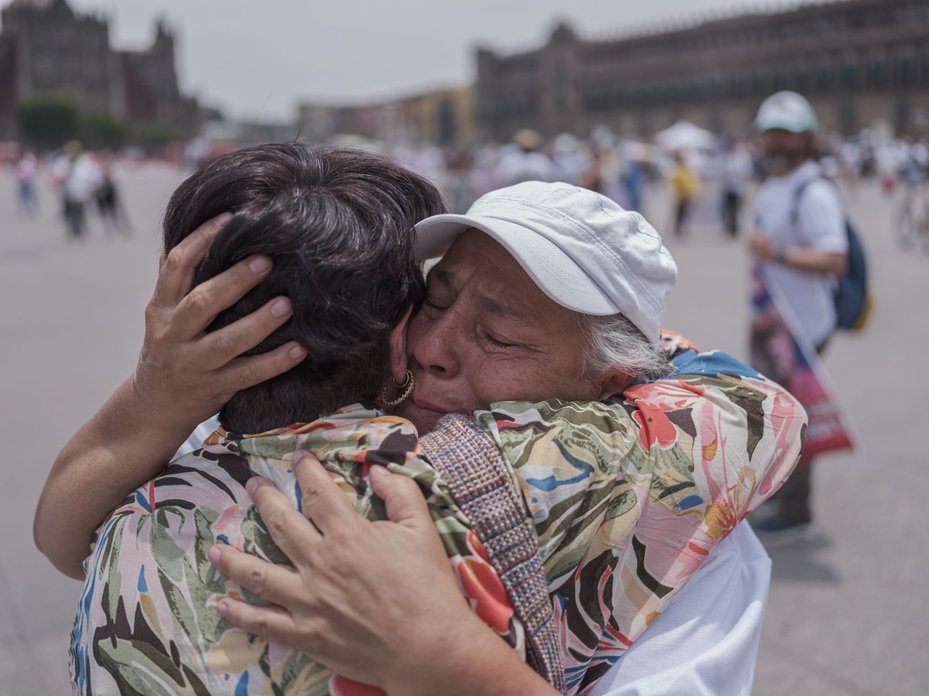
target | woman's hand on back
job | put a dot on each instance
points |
(376, 602)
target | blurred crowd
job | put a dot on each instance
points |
(685, 159)
(689, 162)
(83, 181)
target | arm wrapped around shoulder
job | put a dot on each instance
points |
(628, 499)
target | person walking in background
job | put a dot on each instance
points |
(685, 187)
(634, 179)
(800, 244)
(26, 170)
(109, 202)
(736, 175)
(524, 160)
(78, 176)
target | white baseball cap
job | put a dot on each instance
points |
(788, 111)
(580, 248)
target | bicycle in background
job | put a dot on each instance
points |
(912, 223)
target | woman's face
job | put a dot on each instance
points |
(487, 333)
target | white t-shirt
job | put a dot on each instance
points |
(820, 225)
(80, 178)
(516, 166)
(705, 643)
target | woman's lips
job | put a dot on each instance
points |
(428, 406)
(423, 412)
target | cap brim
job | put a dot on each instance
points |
(550, 268)
(763, 125)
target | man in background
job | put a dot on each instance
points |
(78, 177)
(799, 243)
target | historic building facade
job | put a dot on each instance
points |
(442, 116)
(858, 61)
(47, 48)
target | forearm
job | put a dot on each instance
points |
(475, 661)
(183, 376)
(117, 450)
(812, 260)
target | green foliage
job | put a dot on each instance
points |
(47, 120)
(101, 130)
(153, 137)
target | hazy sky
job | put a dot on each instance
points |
(259, 58)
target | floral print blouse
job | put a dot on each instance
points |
(626, 499)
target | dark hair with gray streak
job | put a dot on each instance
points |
(337, 224)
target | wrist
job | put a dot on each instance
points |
(780, 256)
(479, 662)
(163, 427)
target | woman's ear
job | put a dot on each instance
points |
(396, 348)
(613, 382)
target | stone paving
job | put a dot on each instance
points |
(845, 617)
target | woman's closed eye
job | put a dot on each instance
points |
(498, 342)
(432, 306)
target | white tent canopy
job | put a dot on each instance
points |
(685, 135)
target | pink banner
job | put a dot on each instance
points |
(780, 350)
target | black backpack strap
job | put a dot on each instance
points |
(798, 194)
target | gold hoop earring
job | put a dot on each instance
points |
(407, 388)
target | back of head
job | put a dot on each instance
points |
(337, 224)
(528, 139)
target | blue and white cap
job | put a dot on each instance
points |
(788, 111)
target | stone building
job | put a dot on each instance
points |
(47, 48)
(858, 61)
(442, 116)
(149, 85)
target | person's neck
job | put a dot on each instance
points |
(789, 168)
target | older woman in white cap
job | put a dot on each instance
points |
(549, 290)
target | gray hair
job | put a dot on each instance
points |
(614, 341)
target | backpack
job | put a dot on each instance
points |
(852, 299)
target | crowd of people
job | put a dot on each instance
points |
(627, 169)
(83, 182)
(624, 169)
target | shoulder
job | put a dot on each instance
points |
(556, 429)
(739, 431)
(821, 192)
(822, 215)
(814, 189)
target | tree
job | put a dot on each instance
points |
(102, 130)
(153, 137)
(47, 120)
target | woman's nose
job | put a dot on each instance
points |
(437, 345)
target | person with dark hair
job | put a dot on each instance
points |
(536, 503)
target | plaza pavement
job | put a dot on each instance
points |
(846, 616)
